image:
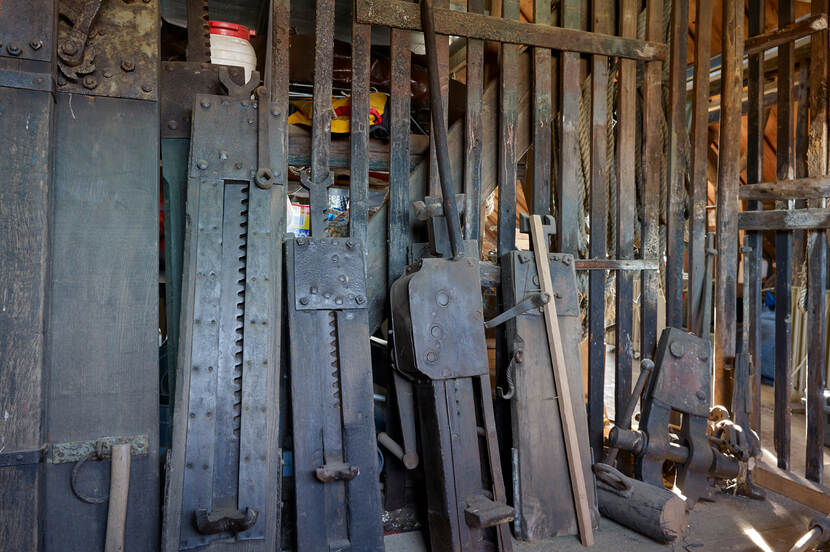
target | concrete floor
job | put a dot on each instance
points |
(730, 524)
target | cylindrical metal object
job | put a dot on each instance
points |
(410, 460)
(646, 366)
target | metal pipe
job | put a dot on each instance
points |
(439, 132)
(646, 366)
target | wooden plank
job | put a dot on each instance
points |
(321, 116)
(443, 51)
(676, 204)
(103, 373)
(540, 199)
(616, 264)
(568, 183)
(566, 408)
(792, 486)
(699, 161)
(505, 541)
(816, 254)
(729, 173)
(653, 177)
(509, 104)
(755, 173)
(473, 132)
(24, 260)
(359, 130)
(602, 23)
(783, 35)
(799, 188)
(783, 244)
(404, 15)
(785, 220)
(398, 214)
(626, 212)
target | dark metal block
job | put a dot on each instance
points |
(26, 29)
(329, 274)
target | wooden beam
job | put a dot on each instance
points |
(759, 43)
(785, 220)
(792, 486)
(473, 131)
(783, 190)
(404, 15)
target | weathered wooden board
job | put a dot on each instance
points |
(102, 332)
(25, 116)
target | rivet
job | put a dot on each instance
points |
(677, 350)
(36, 44)
(172, 125)
(237, 165)
(436, 331)
(202, 164)
(90, 82)
(13, 49)
(223, 155)
(327, 295)
(304, 300)
(204, 103)
(431, 356)
(442, 298)
(146, 88)
(700, 395)
(535, 280)
(251, 121)
(107, 74)
(314, 290)
(275, 113)
(338, 300)
(127, 65)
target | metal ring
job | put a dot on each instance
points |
(74, 480)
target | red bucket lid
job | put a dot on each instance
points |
(231, 29)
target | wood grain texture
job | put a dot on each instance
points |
(24, 206)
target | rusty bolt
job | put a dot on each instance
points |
(127, 65)
(13, 49)
(90, 82)
(69, 48)
(304, 300)
(36, 44)
(360, 299)
(146, 88)
(172, 125)
(202, 164)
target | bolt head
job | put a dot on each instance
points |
(304, 300)
(676, 349)
(701, 396)
(301, 242)
(127, 65)
(36, 44)
(172, 125)
(90, 82)
(360, 299)
(69, 47)
(202, 164)
(146, 88)
(204, 103)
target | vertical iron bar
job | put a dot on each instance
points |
(729, 174)
(540, 200)
(626, 197)
(816, 254)
(783, 245)
(443, 58)
(567, 189)
(439, 129)
(508, 117)
(473, 135)
(359, 126)
(754, 175)
(603, 11)
(676, 171)
(699, 160)
(318, 195)
(652, 177)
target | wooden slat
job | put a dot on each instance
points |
(540, 192)
(729, 172)
(602, 23)
(443, 49)
(789, 33)
(755, 173)
(509, 103)
(652, 161)
(816, 254)
(792, 486)
(783, 244)
(567, 189)
(399, 101)
(799, 188)
(359, 126)
(699, 159)
(404, 15)
(321, 116)
(626, 213)
(473, 131)
(676, 204)
(560, 374)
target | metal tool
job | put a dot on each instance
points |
(433, 306)
(818, 534)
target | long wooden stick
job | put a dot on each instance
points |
(119, 492)
(560, 376)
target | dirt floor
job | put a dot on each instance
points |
(729, 524)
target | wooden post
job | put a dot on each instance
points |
(729, 173)
(509, 104)
(540, 196)
(473, 131)
(567, 186)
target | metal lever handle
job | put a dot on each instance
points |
(531, 301)
(646, 366)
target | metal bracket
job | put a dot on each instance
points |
(433, 207)
(264, 177)
(21, 457)
(338, 471)
(224, 521)
(80, 450)
(329, 274)
(238, 91)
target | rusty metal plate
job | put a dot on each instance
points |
(562, 275)
(26, 29)
(329, 274)
(683, 379)
(121, 54)
(447, 322)
(78, 450)
(180, 82)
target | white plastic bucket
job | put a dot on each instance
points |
(230, 45)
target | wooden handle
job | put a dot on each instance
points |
(119, 491)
